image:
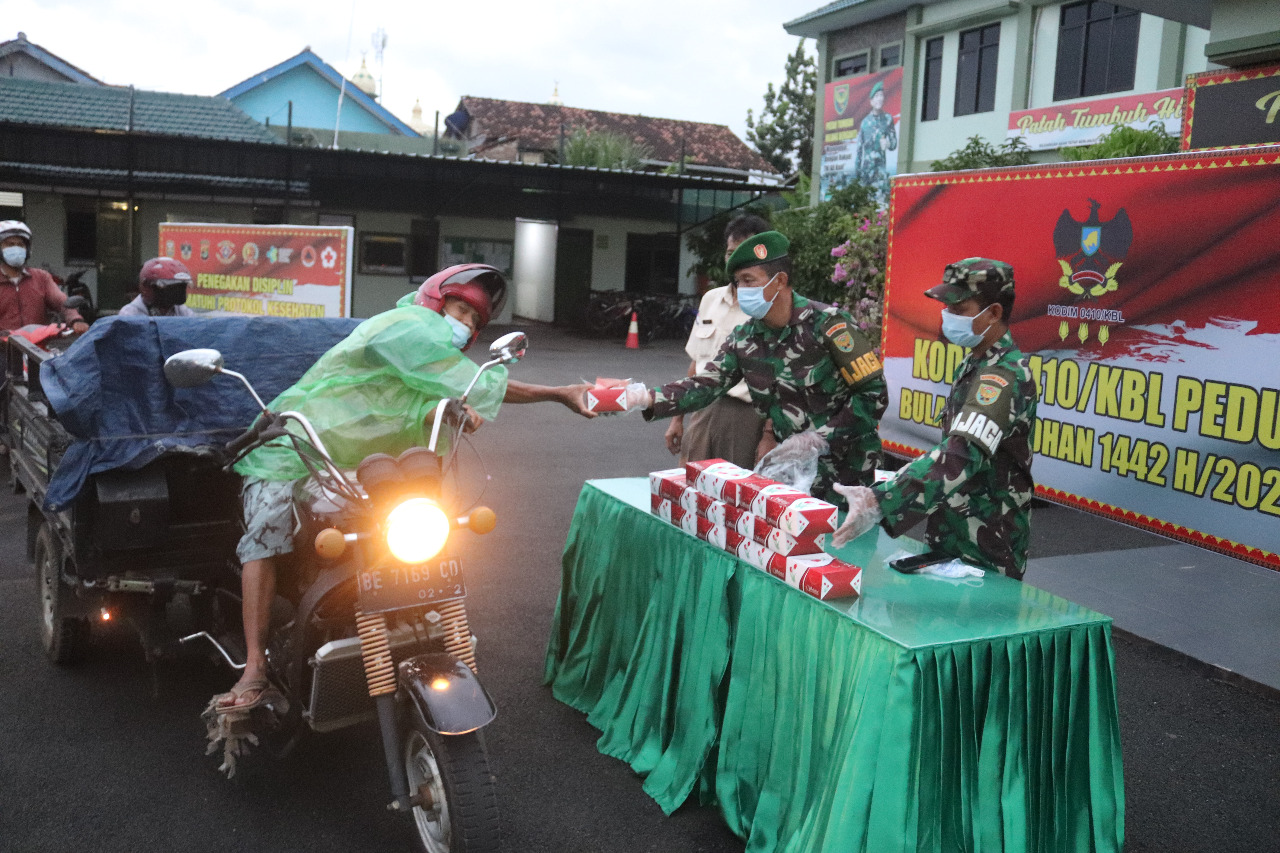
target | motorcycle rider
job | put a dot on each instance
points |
(376, 391)
(162, 290)
(27, 294)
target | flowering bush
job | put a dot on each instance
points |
(859, 268)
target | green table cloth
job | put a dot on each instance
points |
(927, 715)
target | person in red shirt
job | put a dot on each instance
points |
(28, 294)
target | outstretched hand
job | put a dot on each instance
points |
(575, 397)
(864, 513)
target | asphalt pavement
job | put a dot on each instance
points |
(109, 755)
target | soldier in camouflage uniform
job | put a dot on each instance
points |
(805, 364)
(876, 137)
(973, 489)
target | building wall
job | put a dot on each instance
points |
(1233, 19)
(869, 37)
(315, 103)
(1167, 52)
(26, 67)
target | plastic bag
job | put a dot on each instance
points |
(952, 569)
(795, 461)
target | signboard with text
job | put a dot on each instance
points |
(1146, 303)
(860, 132)
(1232, 107)
(266, 270)
(1086, 122)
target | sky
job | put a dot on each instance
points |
(684, 59)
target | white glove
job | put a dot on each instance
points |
(638, 397)
(864, 512)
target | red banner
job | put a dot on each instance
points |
(1086, 122)
(1146, 301)
(268, 270)
(860, 131)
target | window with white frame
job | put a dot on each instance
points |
(890, 56)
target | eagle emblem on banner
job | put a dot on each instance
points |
(1091, 252)
(840, 97)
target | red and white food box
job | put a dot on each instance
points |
(733, 540)
(715, 477)
(708, 531)
(759, 556)
(757, 529)
(669, 484)
(711, 508)
(820, 575)
(836, 579)
(793, 511)
(606, 399)
(667, 510)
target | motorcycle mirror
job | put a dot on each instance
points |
(510, 347)
(192, 367)
(76, 302)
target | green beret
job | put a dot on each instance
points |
(760, 249)
(973, 277)
(878, 87)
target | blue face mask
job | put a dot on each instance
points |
(752, 302)
(959, 329)
(15, 256)
(461, 332)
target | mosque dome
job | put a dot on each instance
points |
(364, 80)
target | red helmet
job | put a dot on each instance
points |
(164, 271)
(479, 285)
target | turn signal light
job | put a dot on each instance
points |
(330, 543)
(481, 520)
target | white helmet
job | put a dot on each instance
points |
(14, 228)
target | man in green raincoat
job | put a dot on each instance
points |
(375, 392)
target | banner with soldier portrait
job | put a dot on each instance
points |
(860, 132)
(1146, 302)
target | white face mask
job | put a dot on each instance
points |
(461, 331)
(959, 329)
(15, 256)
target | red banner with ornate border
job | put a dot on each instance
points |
(1146, 302)
(1231, 108)
(267, 270)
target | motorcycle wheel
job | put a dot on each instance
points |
(65, 638)
(451, 774)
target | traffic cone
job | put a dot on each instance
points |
(633, 333)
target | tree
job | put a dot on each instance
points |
(605, 150)
(980, 154)
(784, 133)
(1125, 141)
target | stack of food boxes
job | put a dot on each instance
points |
(772, 526)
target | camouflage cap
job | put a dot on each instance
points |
(971, 278)
(760, 249)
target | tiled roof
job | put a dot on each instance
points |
(537, 127)
(107, 108)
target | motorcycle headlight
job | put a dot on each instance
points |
(416, 530)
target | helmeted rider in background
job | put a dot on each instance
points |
(162, 290)
(375, 392)
(28, 294)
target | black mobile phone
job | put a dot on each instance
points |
(907, 565)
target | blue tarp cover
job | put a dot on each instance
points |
(109, 390)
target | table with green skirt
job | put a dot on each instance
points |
(929, 714)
